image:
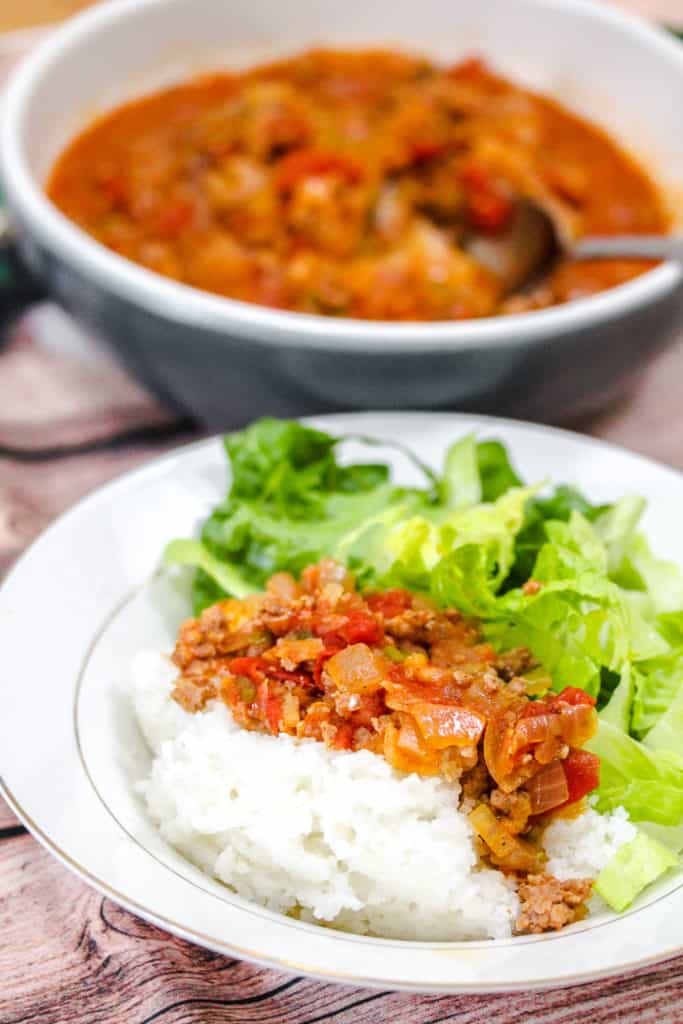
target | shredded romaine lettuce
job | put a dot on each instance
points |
(634, 866)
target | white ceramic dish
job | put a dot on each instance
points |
(225, 360)
(87, 596)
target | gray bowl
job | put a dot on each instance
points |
(224, 361)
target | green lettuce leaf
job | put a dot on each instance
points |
(648, 783)
(640, 570)
(667, 732)
(496, 473)
(657, 684)
(461, 482)
(291, 502)
(193, 553)
(634, 866)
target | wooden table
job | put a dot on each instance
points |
(69, 420)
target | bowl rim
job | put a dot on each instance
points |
(193, 307)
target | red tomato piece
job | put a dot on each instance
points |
(270, 706)
(582, 770)
(281, 674)
(487, 204)
(389, 603)
(343, 739)
(361, 628)
(175, 218)
(306, 163)
(252, 668)
(573, 695)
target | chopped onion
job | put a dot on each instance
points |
(508, 851)
(447, 725)
(548, 788)
(579, 724)
(355, 668)
(536, 729)
(284, 586)
(497, 740)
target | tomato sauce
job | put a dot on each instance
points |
(346, 184)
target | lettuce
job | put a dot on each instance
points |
(639, 570)
(634, 866)
(607, 616)
(291, 502)
(579, 623)
(657, 684)
(667, 732)
(648, 783)
(227, 580)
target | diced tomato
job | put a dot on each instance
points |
(361, 628)
(175, 218)
(252, 668)
(332, 643)
(389, 603)
(487, 204)
(372, 705)
(306, 163)
(582, 770)
(488, 211)
(281, 674)
(573, 695)
(343, 739)
(270, 706)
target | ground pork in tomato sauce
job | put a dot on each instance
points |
(348, 184)
(386, 671)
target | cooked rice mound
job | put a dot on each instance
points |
(341, 837)
(334, 837)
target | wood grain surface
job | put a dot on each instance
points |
(69, 420)
(95, 962)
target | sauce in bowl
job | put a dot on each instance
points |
(346, 183)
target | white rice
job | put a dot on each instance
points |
(337, 837)
(581, 847)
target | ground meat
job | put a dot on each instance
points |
(410, 624)
(291, 653)
(547, 904)
(515, 808)
(515, 662)
(474, 784)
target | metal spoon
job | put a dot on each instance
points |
(530, 245)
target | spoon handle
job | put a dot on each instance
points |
(654, 247)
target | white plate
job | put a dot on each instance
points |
(87, 596)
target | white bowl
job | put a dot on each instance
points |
(70, 750)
